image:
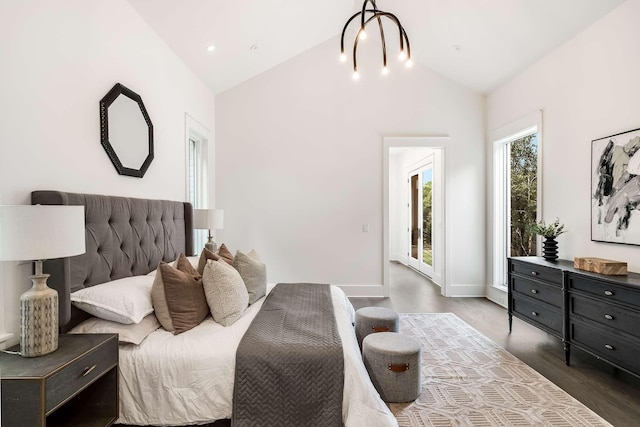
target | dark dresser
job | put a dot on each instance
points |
(77, 385)
(536, 295)
(595, 313)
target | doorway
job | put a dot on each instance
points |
(421, 230)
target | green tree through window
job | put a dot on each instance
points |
(427, 220)
(524, 194)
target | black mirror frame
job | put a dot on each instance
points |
(105, 102)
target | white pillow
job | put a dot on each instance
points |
(226, 293)
(194, 260)
(134, 333)
(126, 300)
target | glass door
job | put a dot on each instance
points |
(421, 218)
(414, 221)
(427, 220)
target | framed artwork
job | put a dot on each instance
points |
(615, 188)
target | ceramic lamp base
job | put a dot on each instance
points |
(211, 245)
(38, 318)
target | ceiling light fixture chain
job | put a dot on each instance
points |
(376, 14)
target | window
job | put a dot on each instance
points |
(197, 172)
(516, 193)
(523, 192)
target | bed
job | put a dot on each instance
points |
(167, 378)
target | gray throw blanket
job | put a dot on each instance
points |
(289, 364)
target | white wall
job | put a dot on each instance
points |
(299, 166)
(58, 60)
(587, 89)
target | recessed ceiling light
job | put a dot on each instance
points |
(211, 48)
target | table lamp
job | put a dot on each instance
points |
(209, 219)
(36, 233)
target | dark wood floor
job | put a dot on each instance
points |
(611, 393)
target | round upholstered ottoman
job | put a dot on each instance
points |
(393, 362)
(375, 319)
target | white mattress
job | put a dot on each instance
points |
(188, 378)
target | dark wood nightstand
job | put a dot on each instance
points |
(77, 385)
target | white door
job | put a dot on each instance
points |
(421, 218)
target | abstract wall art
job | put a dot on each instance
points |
(615, 188)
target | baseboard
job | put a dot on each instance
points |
(466, 291)
(377, 291)
(366, 291)
(401, 259)
(5, 336)
(497, 295)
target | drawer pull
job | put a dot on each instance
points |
(609, 347)
(608, 293)
(88, 370)
(608, 317)
(534, 273)
(535, 313)
(534, 291)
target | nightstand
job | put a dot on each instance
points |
(77, 385)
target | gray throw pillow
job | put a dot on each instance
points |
(225, 292)
(253, 273)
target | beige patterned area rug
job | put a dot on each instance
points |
(468, 380)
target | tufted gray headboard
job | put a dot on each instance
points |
(124, 237)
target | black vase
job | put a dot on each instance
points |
(550, 249)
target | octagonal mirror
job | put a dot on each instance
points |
(126, 131)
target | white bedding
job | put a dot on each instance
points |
(188, 378)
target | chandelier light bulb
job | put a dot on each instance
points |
(409, 63)
(385, 70)
(402, 56)
(343, 57)
(356, 76)
(363, 35)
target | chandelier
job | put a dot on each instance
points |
(366, 16)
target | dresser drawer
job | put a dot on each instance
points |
(604, 290)
(607, 345)
(540, 313)
(551, 275)
(78, 374)
(610, 315)
(537, 290)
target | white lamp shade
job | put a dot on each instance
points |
(208, 219)
(38, 232)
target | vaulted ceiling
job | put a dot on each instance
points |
(478, 43)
